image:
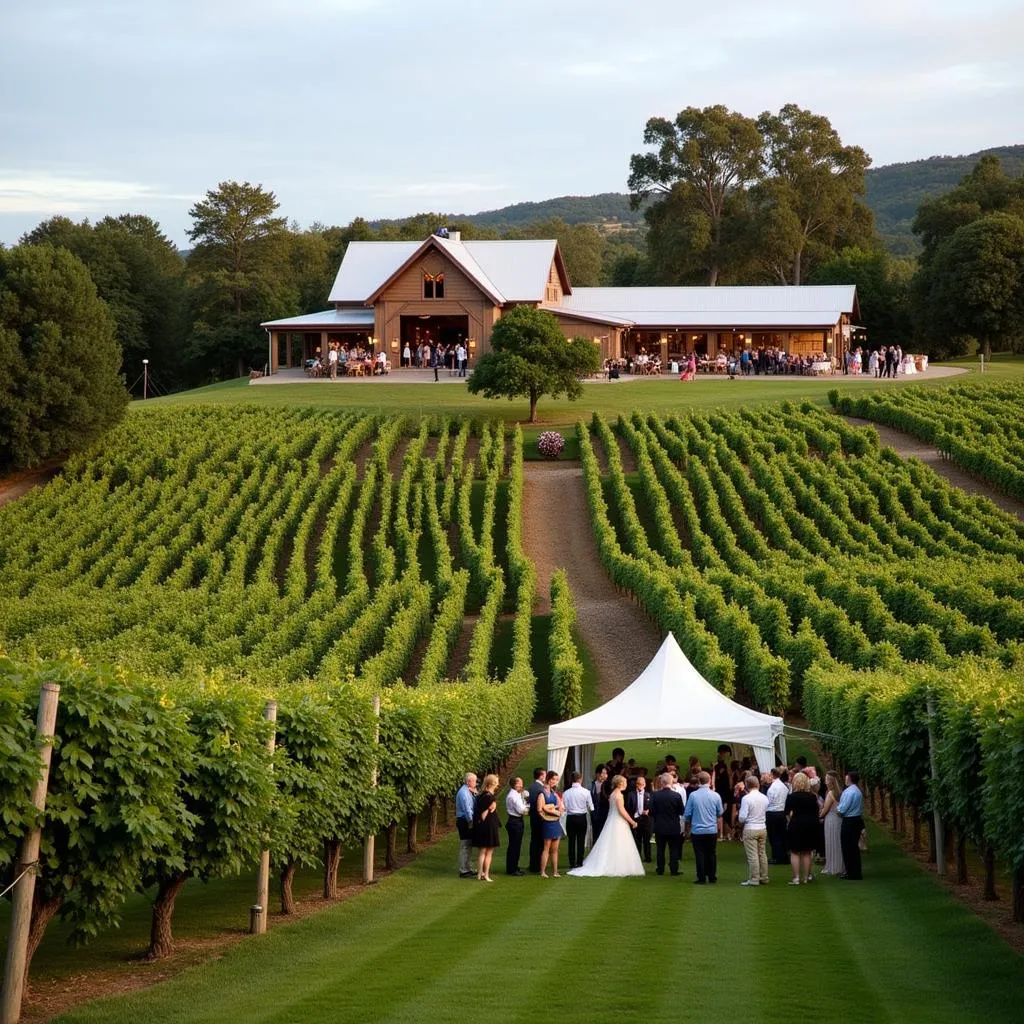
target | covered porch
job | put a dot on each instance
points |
(294, 341)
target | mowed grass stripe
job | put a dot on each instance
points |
(425, 945)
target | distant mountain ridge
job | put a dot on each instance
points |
(894, 191)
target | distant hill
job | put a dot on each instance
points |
(894, 192)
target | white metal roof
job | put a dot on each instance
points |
(512, 271)
(360, 316)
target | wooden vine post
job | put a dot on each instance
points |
(25, 870)
(370, 841)
(940, 834)
(260, 910)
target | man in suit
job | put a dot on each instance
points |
(638, 807)
(666, 811)
(536, 822)
(600, 812)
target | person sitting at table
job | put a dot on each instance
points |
(382, 362)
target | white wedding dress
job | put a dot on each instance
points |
(614, 854)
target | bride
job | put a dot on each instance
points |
(614, 853)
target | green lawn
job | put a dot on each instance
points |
(661, 395)
(426, 946)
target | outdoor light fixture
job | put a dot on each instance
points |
(394, 343)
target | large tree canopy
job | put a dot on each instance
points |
(60, 385)
(531, 357)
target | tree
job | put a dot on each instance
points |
(703, 161)
(239, 275)
(581, 245)
(139, 273)
(974, 284)
(809, 195)
(59, 359)
(883, 291)
(532, 357)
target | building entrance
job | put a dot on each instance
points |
(433, 330)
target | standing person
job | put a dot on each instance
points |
(550, 809)
(667, 809)
(776, 815)
(600, 799)
(802, 829)
(578, 802)
(833, 826)
(638, 804)
(614, 854)
(851, 810)
(465, 805)
(722, 780)
(486, 827)
(536, 822)
(753, 808)
(703, 816)
(406, 355)
(515, 809)
(332, 360)
(460, 356)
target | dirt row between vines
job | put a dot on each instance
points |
(557, 535)
(907, 447)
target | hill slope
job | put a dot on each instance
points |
(894, 192)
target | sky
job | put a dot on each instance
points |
(385, 108)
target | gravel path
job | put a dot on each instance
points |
(556, 534)
(910, 447)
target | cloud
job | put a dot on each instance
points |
(43, 193)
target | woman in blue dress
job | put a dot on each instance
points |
(549, 807)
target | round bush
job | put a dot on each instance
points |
(550, 444)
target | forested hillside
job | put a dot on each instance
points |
(894, 192)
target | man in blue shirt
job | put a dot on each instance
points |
(851, 810)
(703, 817)
(465, 803)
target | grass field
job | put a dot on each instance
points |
(662, 395)
(426, 946)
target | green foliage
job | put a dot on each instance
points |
(566, 666)
(60, 387)
(531, 357)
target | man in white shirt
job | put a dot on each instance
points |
(460, 356)
(776, 815)
(515, 809)
(332, 358)
(578, 803)
(753, 808)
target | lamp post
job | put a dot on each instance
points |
(145, 379)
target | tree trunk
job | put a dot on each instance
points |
(986, 348)
(533, 406)
(882, 815)
(916, 818)
(431, 818)
(444, 811)
(287, 895)
(161, 941)
(961, 858)
(332, 858)
(391, 852)
(411, 827)
(1018, 895)
(43, 912)
(989, 858)
(872, 804)
(933, 853)
(895, 814)
(798, 266)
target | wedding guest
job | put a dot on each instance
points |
(536, 822)
(851, 810)
(516, 808)
(600, 799)
(465, 801)
(753, 808)
(723, 782)
(667, 810)
(776, 815)
(802, 828)
(486, 827)
(550, 809)
(577, 802)
(833, 826)
(703, 816)
(638, 806)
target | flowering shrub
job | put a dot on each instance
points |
(550, 443)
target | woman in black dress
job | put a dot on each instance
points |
(802, 831)
(486, 827)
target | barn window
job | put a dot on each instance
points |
(433, 286)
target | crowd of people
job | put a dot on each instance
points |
(791, 816)
(887, 361)
(453, 357)
(342, 359)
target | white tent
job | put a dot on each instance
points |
(671, 700)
